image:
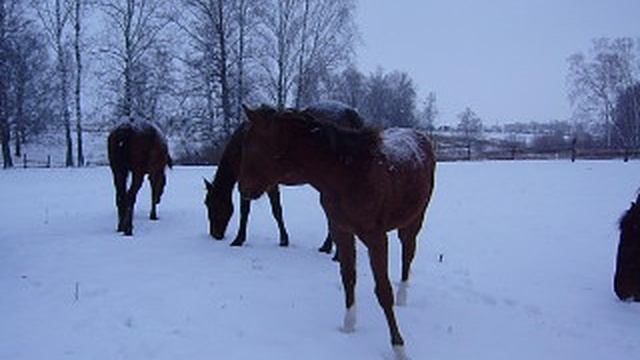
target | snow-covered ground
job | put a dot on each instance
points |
(527, 260)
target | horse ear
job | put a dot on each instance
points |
(207, 184)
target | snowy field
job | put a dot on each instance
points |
(527, 251)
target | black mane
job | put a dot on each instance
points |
(345, 142)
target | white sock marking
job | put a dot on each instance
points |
(401, 296)
(399, 352)
(349, 323)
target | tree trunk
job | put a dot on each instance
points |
(63, 74)
(301, 64)
(19, 119)
(128, 62)
(78, 84)
(5, 133)
(241, 40)
(224, 82)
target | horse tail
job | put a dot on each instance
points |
(119, 147)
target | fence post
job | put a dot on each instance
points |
(24, 160)
(48, 161)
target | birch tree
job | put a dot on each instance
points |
(55, 16)
(78, 7)
(210, 29)
(5, 49)
(135, 28)
(327, 35)
(596, 79)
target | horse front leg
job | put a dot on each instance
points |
(136, 183)
(245, 207)
(378, 259)
(346, 245)
(327, 245)
(276, 210)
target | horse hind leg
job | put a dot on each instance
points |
(136, 183)
(407, 237)
(120, 184)
(157, 182)
(276, 210)
(346, 248)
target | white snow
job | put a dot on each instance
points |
(400, 145)
(527, 252)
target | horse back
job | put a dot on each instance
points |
(138, 147)
(406, 167)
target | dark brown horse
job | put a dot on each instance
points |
(626, 282)
(218, 199)
(138, 148)
(370, 182)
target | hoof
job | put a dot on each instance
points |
(284, 243)
(349, 322)
(128, 232)
(399, 353)
(325, 249)
(236, 243)
(153, 217)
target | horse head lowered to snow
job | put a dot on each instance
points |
(218, 199)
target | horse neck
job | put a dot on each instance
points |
(227, 173)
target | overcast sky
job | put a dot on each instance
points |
(506, 59)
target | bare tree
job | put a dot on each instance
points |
(429, 113)
(390, 99)
(5, 130)
(349, 87)
(627, 118)
(280, 29)
(136, 27)
(210, 28)
(55, 16)
(77, 26)
(595, 80)
(326, 40)
(470, 125)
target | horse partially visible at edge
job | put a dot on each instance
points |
(137, 148)
(218, 199)
(370, 182)
(626, 282)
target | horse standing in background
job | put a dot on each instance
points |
(370, 182)
(218, 199)
(626, 283)
(138, 148)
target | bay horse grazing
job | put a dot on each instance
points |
(138, 148)
(218, 199)
(627, 277)
(370, 182)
